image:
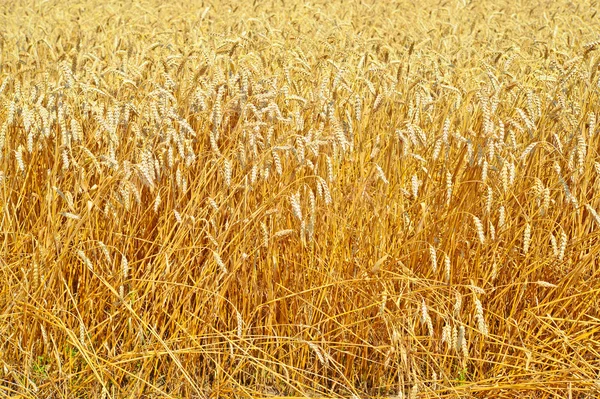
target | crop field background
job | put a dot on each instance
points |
(310, 199)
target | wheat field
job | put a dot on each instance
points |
(305, 199)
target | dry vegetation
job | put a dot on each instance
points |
(360, 199)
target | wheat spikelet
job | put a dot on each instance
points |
(317, 351)
(157, 202)
(494, 272)
(265, 235)
(3, 132)
(414, 186)
(220, 262)
(313, 218)
(283, 233)
(277, 162)
(501, 217)
(455, 344)
(295, 203)
(86, 260)
(177, 216)
(545, 284)
(591, 124)
(124, 267)
(476, 289)
(446, 130)
(546, 201)
(240, 324)
(512, 137)
(460, 339)
(325, 190)
(447, 269)
(581, 153)
(594, 214)
(554, 244)
(527, 151)
(4, 84)
(65, 160)
(484, 171)
(463, 340)
(448, 188)
(12, 110)
(330, 176)
(557, 142)
(457, 304)
(470, 152)
(492, 231)
(512, 173)
(424, 312)
(563, 246)
(213, 204)
(491, 150)
(526, 238)
(489, 200)
(70, 215)
(19, 159)
(227, 172)
(479, 229)
(528, 122)
(105, 252)
(437, 149)
(504, 177)
(426, 318)
(433, 257)
(339, 134)
(357, 107)
(481, 324)
(378, 102)
(447, 335)
(384, 299)
(82, 333)
(381, 174)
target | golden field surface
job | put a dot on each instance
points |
(306, 199)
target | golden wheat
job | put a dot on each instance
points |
(237, 200)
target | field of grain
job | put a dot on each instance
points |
(312, 199)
